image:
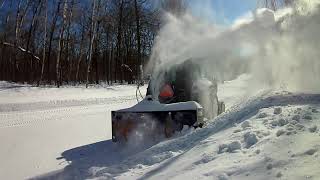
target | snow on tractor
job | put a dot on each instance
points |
(176, 96)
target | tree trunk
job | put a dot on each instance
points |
(92, 37)
(4, 60)
(69, 62)
(96, 55)
(107, 60)
(16, 42)
(119, 42)
(19, 22)
(139, 76)
(60, 45)
(31, 29)
(81, 54)
(53, 28)
(111, 56)
(44, 40)
(2, 3)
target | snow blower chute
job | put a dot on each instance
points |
(176, 96)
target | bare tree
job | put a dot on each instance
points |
(138, 36)
(119, 38)
(52, 31)
(60, 43)
(36, 13)
(80, 53)
(68, 59)
(2, 3)
(92, 37)
(45, 4)
(19, 21)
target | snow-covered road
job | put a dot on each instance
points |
(38, 124)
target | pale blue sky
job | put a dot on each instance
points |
(221, 11)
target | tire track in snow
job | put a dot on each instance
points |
(69, 109)
(39, 116)
(14, 107)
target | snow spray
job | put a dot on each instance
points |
(279, 49)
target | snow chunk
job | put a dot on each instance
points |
(237, 131)
(277, 110)
(269, 166)
(280, 132)
(222, 177)
(279, 122)
(245, 124)
(274, 123)
(311, 151)
(279, 175)
(307, 117)
(262, 115)
(290, 127)
(282, 122)
(289, 133)
(205, 159)
(222, 148)
(313, 129)
(250, 139)
(300, 126)
(232, 147)
(296, 118)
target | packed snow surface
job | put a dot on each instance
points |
(38, 124)
(268, 136)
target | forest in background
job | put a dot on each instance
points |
(81, 41)
(78, 41)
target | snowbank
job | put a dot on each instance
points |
(261, 150)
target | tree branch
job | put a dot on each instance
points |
(22, 50)
(2, 3)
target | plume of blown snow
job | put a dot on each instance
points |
(279, 49)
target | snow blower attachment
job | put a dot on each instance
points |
(175, 97)
(153, 119)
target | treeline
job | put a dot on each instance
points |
(78, 41)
